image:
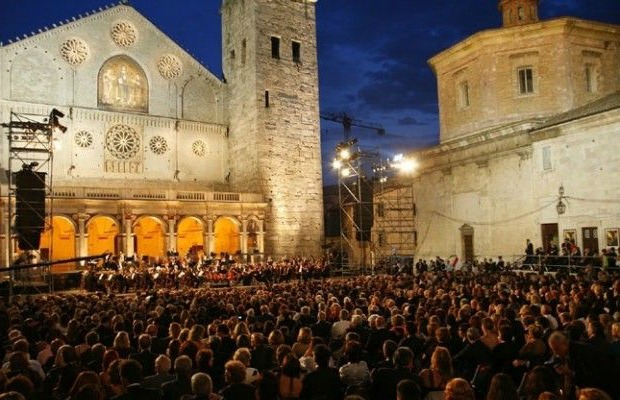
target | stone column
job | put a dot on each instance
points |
(244, 234)
(171, 237)
(82, 236)
(209, 245)
(260, 236)
(127, 236)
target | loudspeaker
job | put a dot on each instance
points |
(29, 208)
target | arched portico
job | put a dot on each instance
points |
(226, 234)
(149, 236)
(58, 242)
(190, 236)
(103, 235)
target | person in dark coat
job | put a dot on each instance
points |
(181, 384)
(385, 380)
(323, 383)
(131, 378)
(474, 354)
(162, 373)
(145, 357)
(236, 389)
(262, 355)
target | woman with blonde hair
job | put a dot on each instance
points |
(304, 337)
(435, 378)
(459, 389)
(122, 344)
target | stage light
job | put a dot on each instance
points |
(337, 164)
(53, 121)
(346, 172)
(344, 154)
(408, 165)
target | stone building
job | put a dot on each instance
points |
(160, 154)
(529, 116)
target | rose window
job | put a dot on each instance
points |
(169, 66)
(198, 147)
(83, 139)
(123, 142)
(74, 51)
(123, 34)
(158, 145)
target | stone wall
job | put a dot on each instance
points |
(478, 81)
(276, 146)
(505, 195)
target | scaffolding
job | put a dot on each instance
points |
(31, 148)
(356, 216)
(394, 234)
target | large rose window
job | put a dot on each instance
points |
(122, 142)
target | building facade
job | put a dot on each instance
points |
(529, 116)
(160, 154)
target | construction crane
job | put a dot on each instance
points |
(348, 122)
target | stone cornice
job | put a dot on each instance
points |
(482, 39)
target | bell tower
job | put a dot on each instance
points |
(518, 12)
(270, 66)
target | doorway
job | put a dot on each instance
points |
(549, 233)
(590, 239)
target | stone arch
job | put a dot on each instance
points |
(58, 241)
(199, 100)
(36, 77)
(149, 235)
(190, 236)
(103, 235)
(227, 235)
(122, 84)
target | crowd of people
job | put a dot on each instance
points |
(443, 334)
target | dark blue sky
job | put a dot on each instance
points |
(372, 53)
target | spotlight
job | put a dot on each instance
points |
(346, 172)
(407, 166)
(345, 154)
(337, 164)
(53, 121)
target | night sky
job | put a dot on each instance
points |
(372, 57)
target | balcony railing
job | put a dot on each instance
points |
(159, 195)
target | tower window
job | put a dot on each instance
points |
(521, 13)
(296, 52)
(381, 239)
(546, 153)
(275, 47)
(244, 46)
(591, 86)
(526, 80)
(266, 98)
(464, 94)
(381, 210)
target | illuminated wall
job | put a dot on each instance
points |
(59, 243)
(102, 234)
(226, 236)
(189, 235)
(149, 237)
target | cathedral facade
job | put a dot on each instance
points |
(529, 122)
(160, 154)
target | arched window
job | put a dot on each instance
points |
(122, 85)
